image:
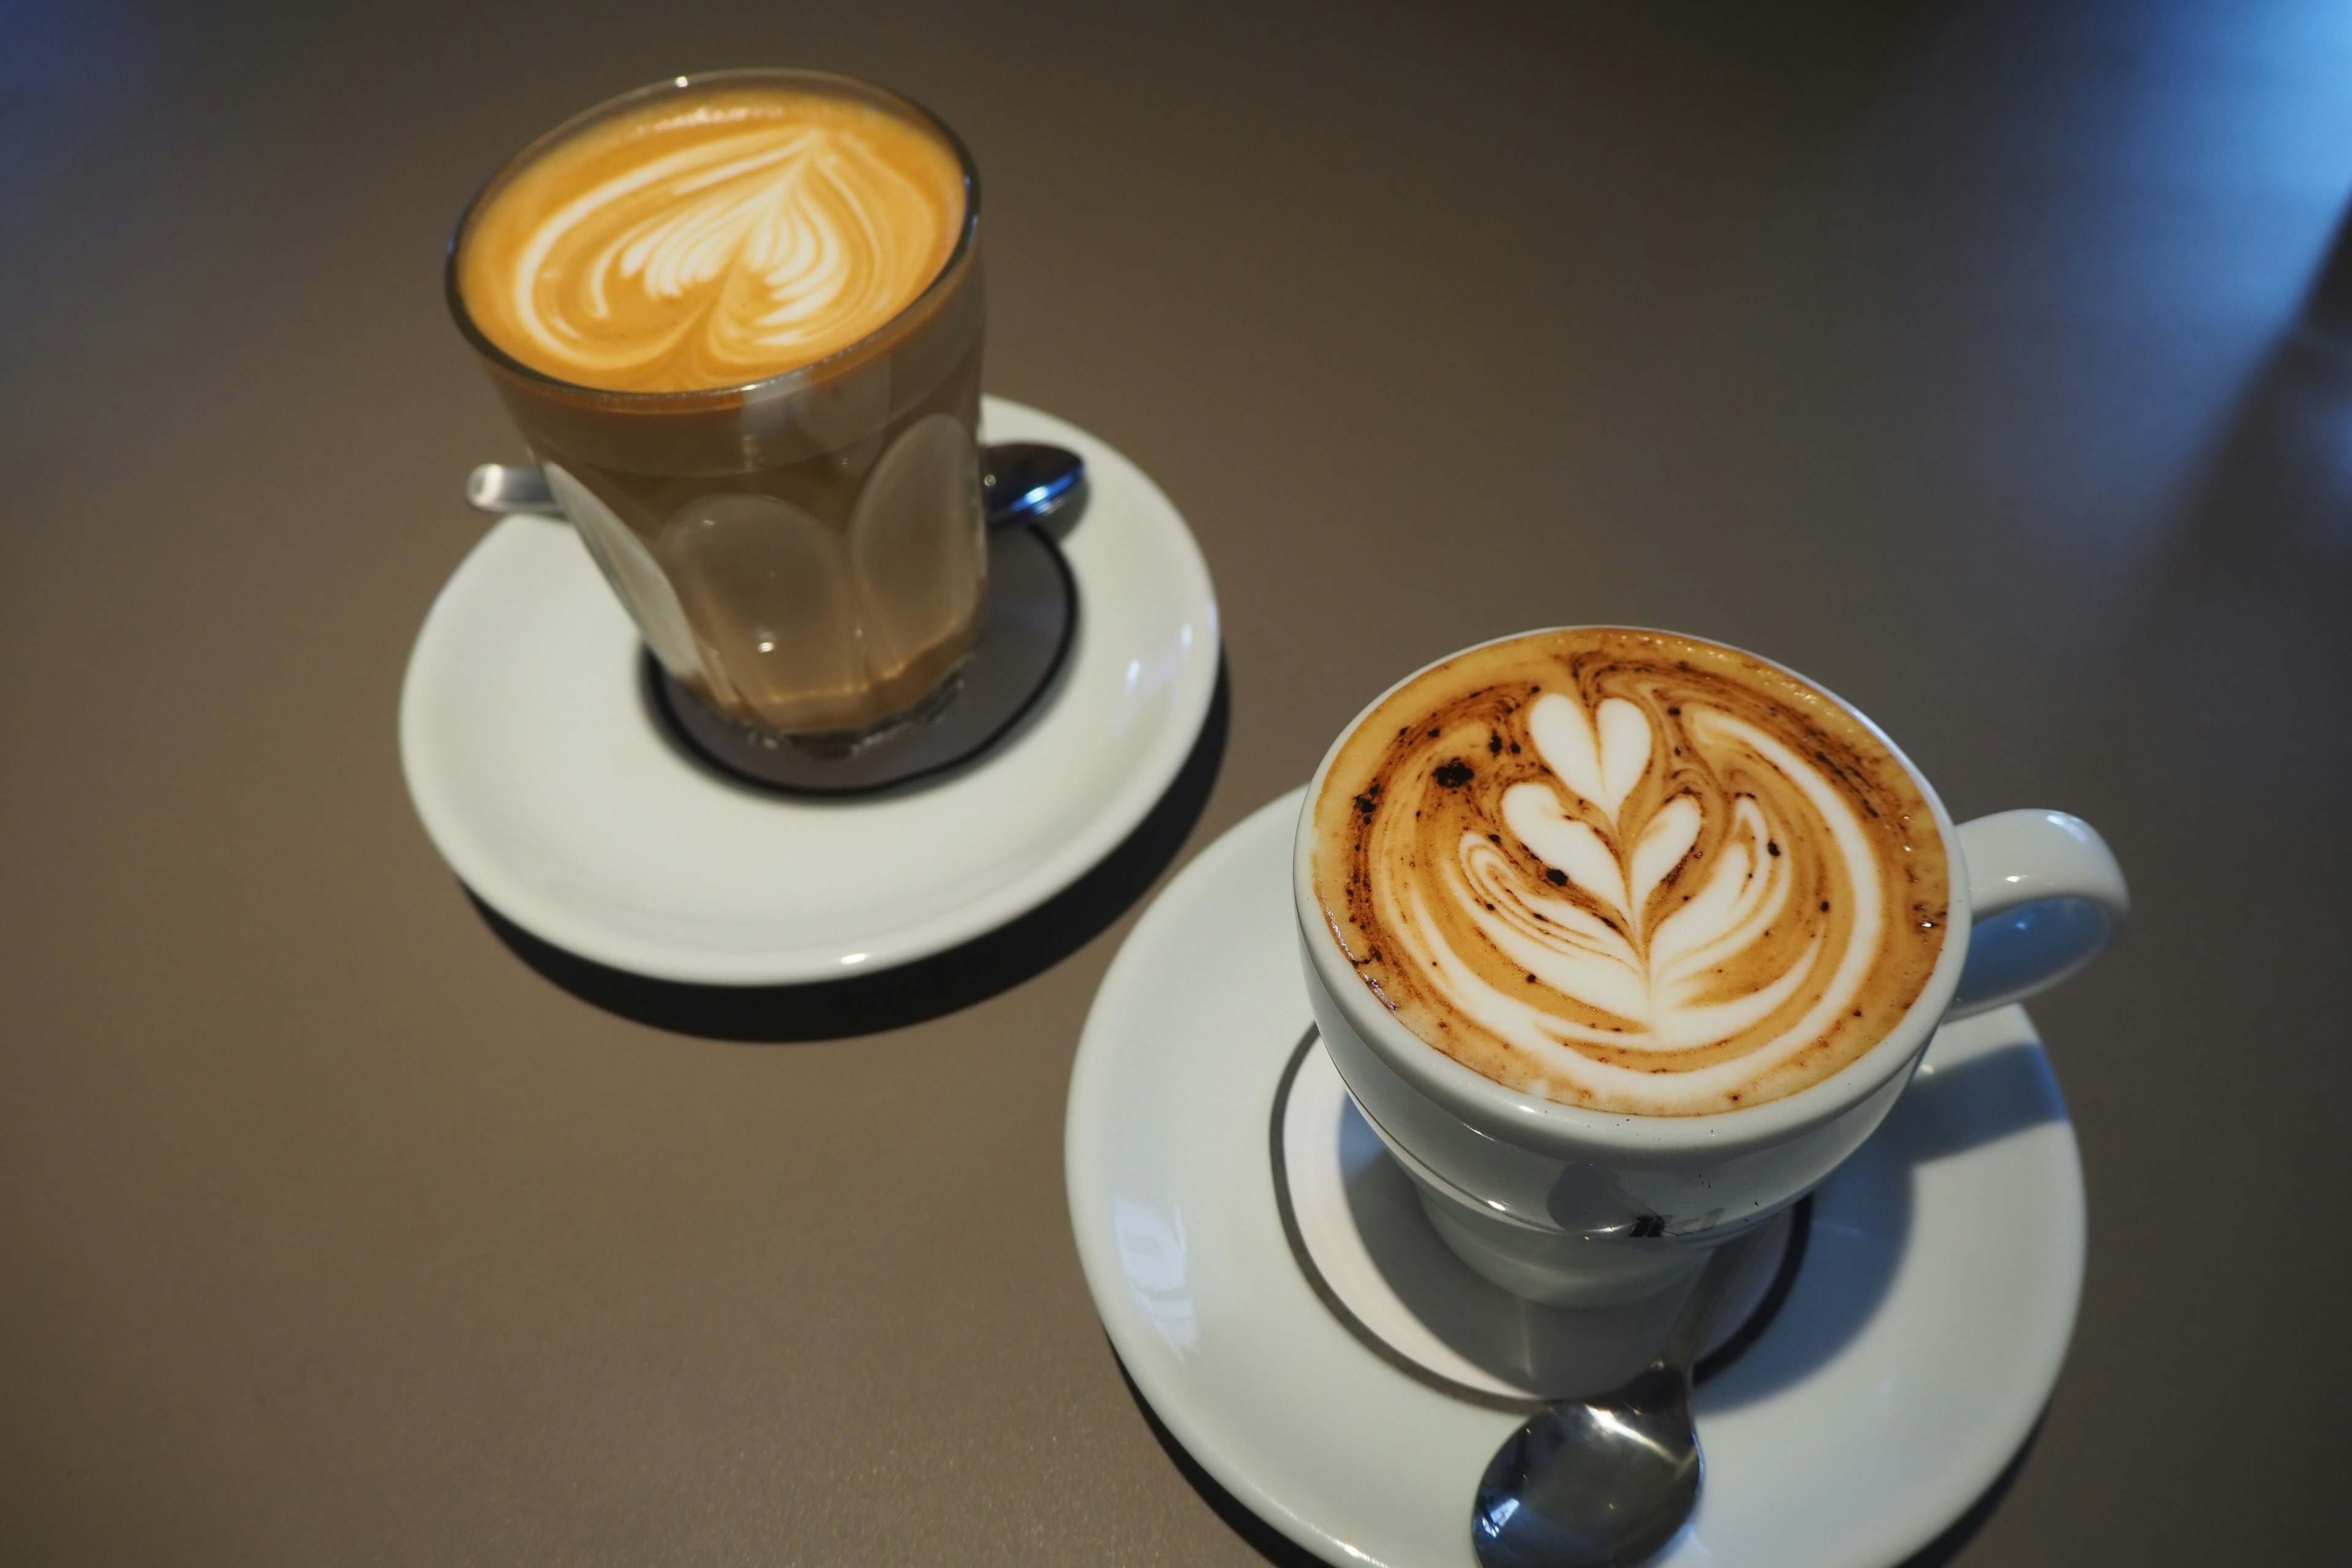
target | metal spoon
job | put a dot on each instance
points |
(1028, 481)
(1020, 481)
(495, 487)
(1605, 1482)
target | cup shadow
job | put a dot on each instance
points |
(1555, 1352)
(911, 993)
(1845, 1251)
(1862, 1215)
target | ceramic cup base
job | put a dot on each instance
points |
(1357, 1231)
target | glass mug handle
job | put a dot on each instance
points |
(2046, 897)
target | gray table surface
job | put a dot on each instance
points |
(1991, 362)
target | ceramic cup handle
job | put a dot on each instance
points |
(2046, 896)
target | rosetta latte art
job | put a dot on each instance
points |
(1631, 871)
(713, 241)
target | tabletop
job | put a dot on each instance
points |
(1991, 362)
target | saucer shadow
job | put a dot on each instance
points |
(911, 993)
(1863, 1214)
(1272, 1546)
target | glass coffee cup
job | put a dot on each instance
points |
(800, 541)
(1622, 806)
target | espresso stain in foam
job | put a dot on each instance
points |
(1600, 983)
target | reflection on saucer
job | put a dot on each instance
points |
(1356, 1226)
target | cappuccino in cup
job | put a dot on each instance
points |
(738, 320)
(1630, 871)
(1622, 941)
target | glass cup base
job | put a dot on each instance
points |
(1031, 615)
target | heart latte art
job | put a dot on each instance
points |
(1631, 871)
(712, 238)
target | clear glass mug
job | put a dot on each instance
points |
(807, 553)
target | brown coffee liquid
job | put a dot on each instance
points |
(807, 553)
(1632, 871)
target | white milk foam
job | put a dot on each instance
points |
(1653, 974)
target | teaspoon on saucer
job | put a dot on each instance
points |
(1605, 1482)
(1020, 482)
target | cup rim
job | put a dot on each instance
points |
(1552, 1128)
(782, 381)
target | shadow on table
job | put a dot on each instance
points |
(1275, 1547)
(911, 993)
(2255, 583)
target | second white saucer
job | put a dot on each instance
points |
(1910, 1360)
(544, 782)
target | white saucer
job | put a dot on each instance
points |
(1908, 1363)
(545, 783)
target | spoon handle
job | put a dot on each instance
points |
(502, 487)
(1020, 482)
(1723, 1270)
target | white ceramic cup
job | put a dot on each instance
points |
(1572, 1206)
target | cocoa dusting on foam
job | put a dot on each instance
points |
(1632, 871)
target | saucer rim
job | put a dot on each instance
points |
(1181, 578)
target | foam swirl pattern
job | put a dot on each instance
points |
(1631, 871)
(712, 239)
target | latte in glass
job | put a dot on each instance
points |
(710, 239)
(1631, 871)
(739, 319)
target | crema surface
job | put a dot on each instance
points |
(1631, 871)
(712, 238)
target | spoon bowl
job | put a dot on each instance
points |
(1606, 1482)
(1601, 1481)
